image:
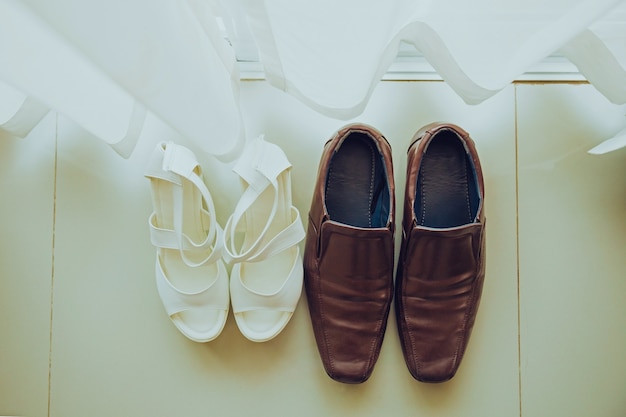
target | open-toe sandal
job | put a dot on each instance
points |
(191, 278)
(262, 237)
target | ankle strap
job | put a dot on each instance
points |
(179, 162)
(260, 166)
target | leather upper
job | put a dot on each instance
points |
(440, 273)
(349, 272)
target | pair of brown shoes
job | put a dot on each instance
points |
(349, 252)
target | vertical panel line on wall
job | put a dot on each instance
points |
(54, 215)
(517, 243)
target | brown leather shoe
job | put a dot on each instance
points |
(348, 257)
(441, 267)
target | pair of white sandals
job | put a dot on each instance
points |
(260, 240)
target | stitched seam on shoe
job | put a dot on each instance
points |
(461, 339)
(379, 336)
(329, 181)
(469, 210)
(372, 177)
(372, 348)
(331, 360)
(422, 192)
(409, 333)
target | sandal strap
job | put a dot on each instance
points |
(176, 301)
(259, 166)
(168, 239)
(285, 299)
(286, 238)
(177, 162)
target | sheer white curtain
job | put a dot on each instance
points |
(105, 63)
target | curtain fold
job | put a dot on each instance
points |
(19, 114)
(105, 64)
(329, 56)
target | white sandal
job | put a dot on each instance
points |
(192, 280)
(267, 276)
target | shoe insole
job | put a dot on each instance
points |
(446, 186)
(356, 187)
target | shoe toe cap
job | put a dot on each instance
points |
(435, 370)
(350, 371)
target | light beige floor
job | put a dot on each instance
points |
(83, 333)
